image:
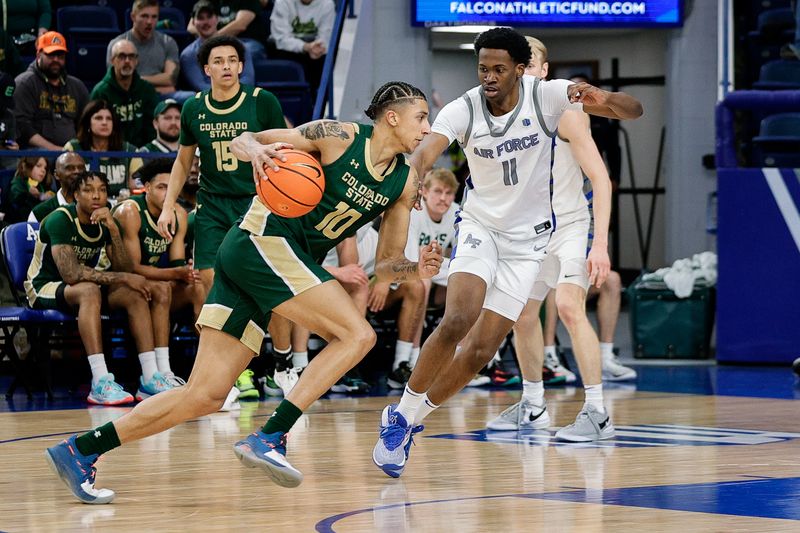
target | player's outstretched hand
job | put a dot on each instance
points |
(598, 266)
(167, 224)
(430, 260)
(586, 94)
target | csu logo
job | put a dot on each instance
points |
(472, 241)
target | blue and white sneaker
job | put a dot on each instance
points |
(394, 445)
(108, 392)
(268, 452)
(158, 383)
(77, 471)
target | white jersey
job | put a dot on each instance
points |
(422, 230)
(509, 157)
(367, 244)
(571, 188)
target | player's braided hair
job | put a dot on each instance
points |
(392, 93)
(506, 39)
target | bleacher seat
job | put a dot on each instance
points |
(778, 142)
(779, 74)
(17, 242)
(285, 79)
(86, 60)
(83, 17)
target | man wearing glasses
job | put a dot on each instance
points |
(134, 100)
(47, 101)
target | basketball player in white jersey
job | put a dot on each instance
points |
(506, 128)
(567, 269)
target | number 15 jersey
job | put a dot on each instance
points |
(212, 125)
(509, 157)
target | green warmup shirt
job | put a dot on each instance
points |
(63, 227)
(151, 243)
(212, 125)
(355, 194)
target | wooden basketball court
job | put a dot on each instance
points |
(689, 462)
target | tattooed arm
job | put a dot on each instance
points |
(328, 138)
(391, 263)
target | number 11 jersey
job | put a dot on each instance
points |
(509, 157)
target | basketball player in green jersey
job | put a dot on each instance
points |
(268, 263)
(210, 121)
(145, 247)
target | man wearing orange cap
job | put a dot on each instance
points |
(48, 102)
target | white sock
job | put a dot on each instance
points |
(97, 362)
(402, 353)
(149, 366)
(300, 359)
(594, 396)
(425, 408)
(414, 356)
(607, 349)
(409, 403)
(162, 359)
(533, 391)
(550, 350)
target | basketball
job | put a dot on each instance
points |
(294, 190)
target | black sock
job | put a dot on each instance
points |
(98, 441)
(283, 359)
(283, 418)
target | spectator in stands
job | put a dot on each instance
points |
(27, 17)
(158, 53)
(205, 20)
(68, 166)
(31, 185)
(241, 19)
(99, 131)
(132, 98)
(144, 245)
(167, 123)
(302, 30)
(47, 101)
(64, 275)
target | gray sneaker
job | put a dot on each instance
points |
(521, 415)
(590, 425)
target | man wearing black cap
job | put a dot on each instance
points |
(132, 98)
(167, 123)
(206, 20)
(47, 101)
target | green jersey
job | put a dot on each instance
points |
(151, 243)
(212, 125)
(63, 227)
(355, 194)
(116, 168)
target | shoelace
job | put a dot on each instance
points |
(112, 386)
(414, 431)
(393, 436)
(174, 380)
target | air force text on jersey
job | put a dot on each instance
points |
(508, 146)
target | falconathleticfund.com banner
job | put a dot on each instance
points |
(643, 13)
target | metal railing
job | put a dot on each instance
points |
(325, 90)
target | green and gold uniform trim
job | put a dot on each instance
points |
(280, 257)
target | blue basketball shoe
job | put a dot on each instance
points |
(268, 452)
(394, 445)
(77, 471)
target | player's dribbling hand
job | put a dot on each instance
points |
(430, 260)
(262, 158)
(166, 224)
(598, 265)
(586, 94)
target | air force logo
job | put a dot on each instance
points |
(472, 241)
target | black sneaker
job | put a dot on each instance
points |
(398, 377)
(283, 362)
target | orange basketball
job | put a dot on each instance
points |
(294, 190)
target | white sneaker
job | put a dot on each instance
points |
(590, 425)
(552, 362)
(479, 381)
(521, 415)
(174, 380)
(614, 371)
(287, 379)
(231, 402)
